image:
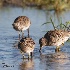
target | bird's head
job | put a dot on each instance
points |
(13, 25)
(43, 42)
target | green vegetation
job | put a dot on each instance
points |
(65, 26)
(57, 5)
(61, 25)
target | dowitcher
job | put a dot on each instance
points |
(21, 23)
(26, 45)
(54, 38)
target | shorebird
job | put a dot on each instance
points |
(54, 38)
(21, 23)
(26, 45)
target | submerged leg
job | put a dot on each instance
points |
(57, 49)
(28, 32)
(22, 54)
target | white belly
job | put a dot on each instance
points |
(61, 41)
(25, 28)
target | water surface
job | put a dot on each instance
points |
(10, 56)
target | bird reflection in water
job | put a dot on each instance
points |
(27, 65)
(54, 61)
(58, 57)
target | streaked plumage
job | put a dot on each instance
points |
(21, 23)
(26, 45)
(54, 38)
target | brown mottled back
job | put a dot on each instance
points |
(55, 35)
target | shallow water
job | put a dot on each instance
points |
(10, 56)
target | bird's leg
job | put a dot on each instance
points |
(28, 32)
(62, 43)
(22, 34)
(31, 54)
(22, 54)
(28, 56)
(57, 49)
(19, 35)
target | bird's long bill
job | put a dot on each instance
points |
(40, 48)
